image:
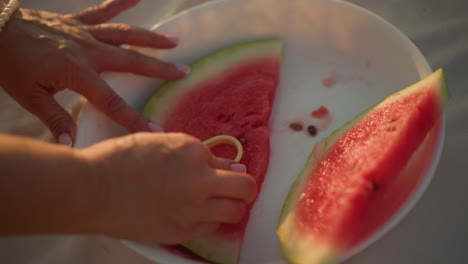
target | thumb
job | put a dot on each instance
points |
(54, 116)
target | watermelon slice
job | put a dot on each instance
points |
(227, 93)
(352, 170)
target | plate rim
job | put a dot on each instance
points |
(423, 69)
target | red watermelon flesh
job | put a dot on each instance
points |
(386, 201)
(237, 103)
(342, 195)
(228, 93)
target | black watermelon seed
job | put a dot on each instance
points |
(312, 130)
(296, 126)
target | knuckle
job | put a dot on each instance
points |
(203, 189)
(66, 46)
(213, 227)
(193, 147)
(124, 28)
(46, 40)
(114, 104)
(236, 211)
(204, 229)
(251, 184)
(251, 187)
(186, 226)
(188, 234)
(199, 190)
(136, 58)
(182, 237)
(55, 122)
(208, 228)
(138, 124)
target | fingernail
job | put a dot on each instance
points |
(238, 167)
(65, 139)
(183, 68)
(154, 128)
(173, 39)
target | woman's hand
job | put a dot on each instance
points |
(43, 53)
(148, 187)
(165, 188)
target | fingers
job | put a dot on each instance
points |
(57, 119)
(216, 212)
(104, 11)
(231, 181)
(203, 229)
(225, 211)
(235, 185)
(124, 60)
(105, 99)
(119, 34)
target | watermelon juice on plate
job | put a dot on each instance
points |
(323, 40)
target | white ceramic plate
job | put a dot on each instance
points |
(362, 57)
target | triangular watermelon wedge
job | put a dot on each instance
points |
(353, 168)
(230, 92)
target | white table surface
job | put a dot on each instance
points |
(435, 231)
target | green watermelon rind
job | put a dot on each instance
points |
(214, 255)
(322, 148)
(202, 69)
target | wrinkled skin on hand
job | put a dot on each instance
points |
(165, 188)
(43, 53)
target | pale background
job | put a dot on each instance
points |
(436, 231)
